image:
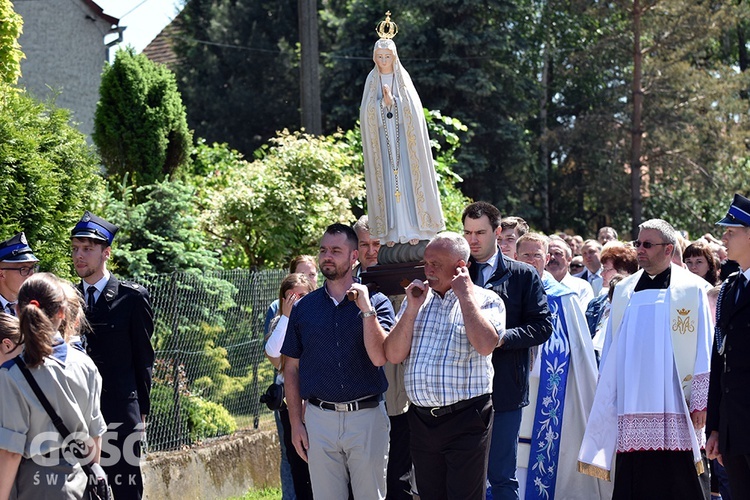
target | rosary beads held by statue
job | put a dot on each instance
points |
(403, 202)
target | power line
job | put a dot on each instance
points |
(326, 54)
(134, 8)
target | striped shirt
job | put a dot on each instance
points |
(443, 367)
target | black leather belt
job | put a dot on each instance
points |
(439, 411)
(371, 402)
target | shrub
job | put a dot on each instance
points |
(207, 419)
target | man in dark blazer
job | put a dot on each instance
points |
(120, 344)
(728, 401)
(527, 324)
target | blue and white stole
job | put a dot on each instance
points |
(550, 404)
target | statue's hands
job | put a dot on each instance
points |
(387, 96)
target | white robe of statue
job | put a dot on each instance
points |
(403, 201)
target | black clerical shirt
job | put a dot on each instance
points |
(658, 282)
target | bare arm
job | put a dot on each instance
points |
(480, 332)
(374, 334)
(9, 463)
(294, 405)
(98, 447)
(398, 343)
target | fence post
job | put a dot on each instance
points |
(176, 360)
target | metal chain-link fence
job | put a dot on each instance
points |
(210, 367)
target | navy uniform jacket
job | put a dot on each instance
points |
(728, 400)
(120, 346)
(527, 324)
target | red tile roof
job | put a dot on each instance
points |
(160, 49)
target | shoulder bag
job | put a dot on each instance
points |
(97, 487)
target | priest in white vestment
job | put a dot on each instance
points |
(562, 384)
(650, 404)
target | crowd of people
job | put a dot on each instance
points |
(524, 365)
(508, 372)
(87, 349)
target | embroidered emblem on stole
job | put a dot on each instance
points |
(682, 323)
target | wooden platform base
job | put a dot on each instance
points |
(389, 278)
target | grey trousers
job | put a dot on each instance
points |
(348, 446)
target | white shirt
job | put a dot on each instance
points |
(98, 286)
(490, 267)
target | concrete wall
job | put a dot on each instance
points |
(221, 469)
(63, 41)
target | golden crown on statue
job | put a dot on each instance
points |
(387, 29)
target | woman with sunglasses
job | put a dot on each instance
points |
(35, 463)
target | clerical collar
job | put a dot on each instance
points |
(657, 282)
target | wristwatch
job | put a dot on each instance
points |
(371, 312)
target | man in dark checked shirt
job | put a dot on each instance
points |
(334, 350)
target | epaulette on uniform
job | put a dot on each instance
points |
(732, 275)
(131, 284)
(135, 287)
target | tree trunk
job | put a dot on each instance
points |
(636, 131)
(309, 76)
(741, 45)
(543, 148)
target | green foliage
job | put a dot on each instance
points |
(163, 420)
(264, 494)
(48, 177)
(207, 419)
(211, 173)
(140, 127)
(163, 233)
(444, 133)
(196, 418)
(279, 205)
(11, 27)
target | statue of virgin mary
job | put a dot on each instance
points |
(403, 202)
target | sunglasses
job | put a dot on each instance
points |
(647, 244)
(576, 266)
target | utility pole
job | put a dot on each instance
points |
(636, 165)
(309, 76)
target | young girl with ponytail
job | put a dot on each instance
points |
(35, 463)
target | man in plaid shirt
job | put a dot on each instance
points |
(445, 337)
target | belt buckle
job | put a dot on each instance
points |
(341, 406)
(432, 411)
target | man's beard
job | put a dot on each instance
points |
(335, 273)
(85, 273)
